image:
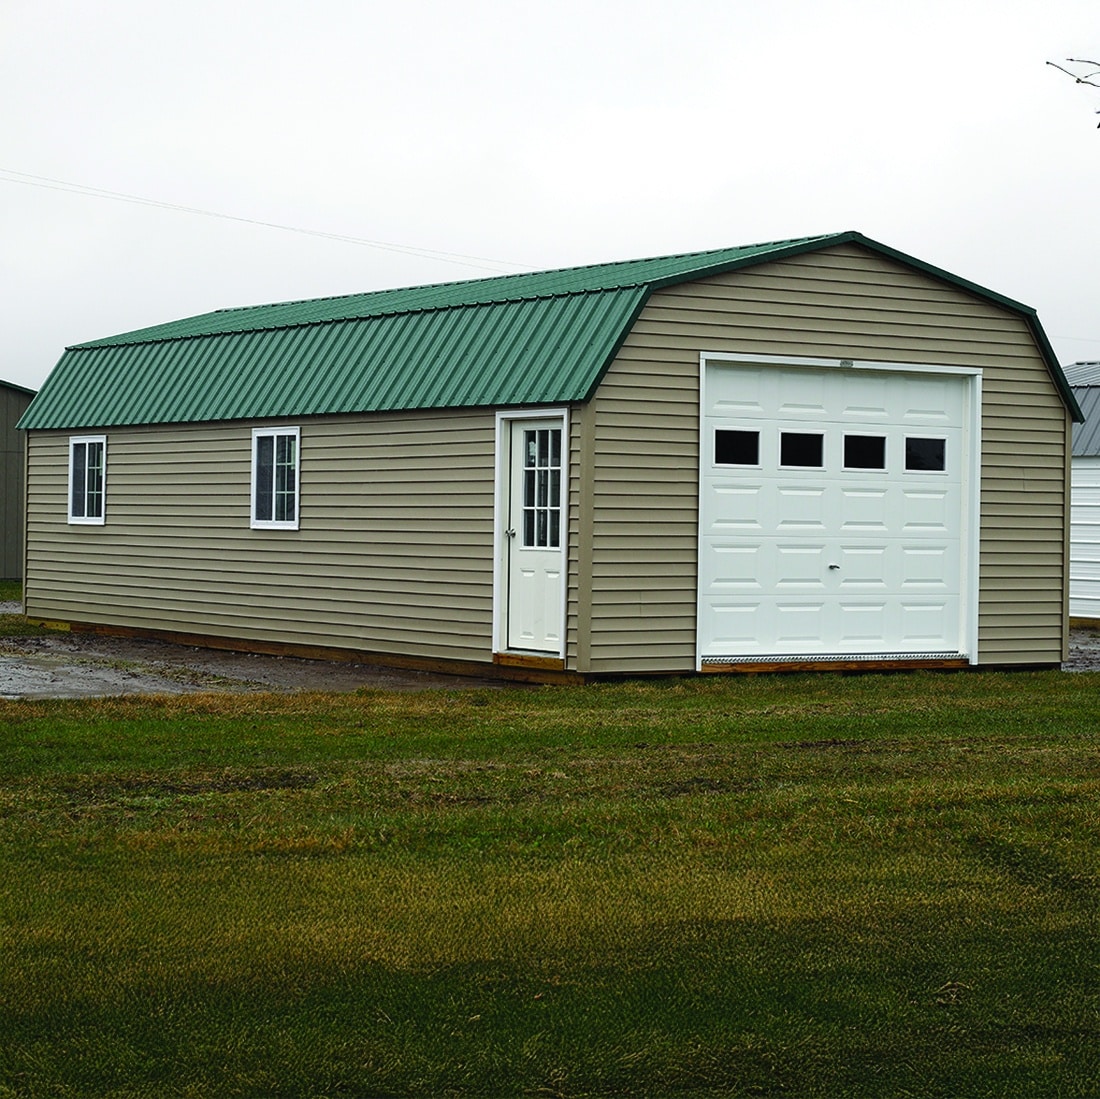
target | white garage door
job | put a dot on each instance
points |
(834, 512)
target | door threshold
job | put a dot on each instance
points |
(518, 658)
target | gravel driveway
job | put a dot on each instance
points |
(65, 665)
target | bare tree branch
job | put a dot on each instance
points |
(1078, 78)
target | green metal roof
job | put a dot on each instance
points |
(540, 338)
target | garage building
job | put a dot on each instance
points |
(817, 452)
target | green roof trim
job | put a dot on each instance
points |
(544, 337)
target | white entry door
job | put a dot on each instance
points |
(534, 536)
(835, 512)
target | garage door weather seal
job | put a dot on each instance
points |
(788, 658)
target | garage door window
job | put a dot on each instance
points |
(736, 448)
(806, 450)
(864, 451)
(801, 449)
(925, 455)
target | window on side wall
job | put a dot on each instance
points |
(87, 478)
(275, 471)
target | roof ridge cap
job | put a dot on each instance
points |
(121, 341)
(229, 312)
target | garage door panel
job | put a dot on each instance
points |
(929, 400)
(735, 627)
(799, 508)
(734, 507)
(871, 403)
(864, 510)
(922, 622)
(799, 565)
(862, 566)
(863, 624)
(930, 512)
(744, 395)
(865, 558)
(929, 567)
(800, 623)
(801, 398)
(734, 566)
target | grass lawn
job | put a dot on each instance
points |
(774, 886)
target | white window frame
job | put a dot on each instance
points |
(275, 433)
(84, 441)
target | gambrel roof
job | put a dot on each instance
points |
(528, 339)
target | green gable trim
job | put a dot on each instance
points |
(544, 337)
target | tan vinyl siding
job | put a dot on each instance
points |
(393, 555)
(844, 303)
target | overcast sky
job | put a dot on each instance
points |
(452, 138)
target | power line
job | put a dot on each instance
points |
(47, 183)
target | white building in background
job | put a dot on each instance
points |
(1084, 568)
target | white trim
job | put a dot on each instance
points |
(970, 533)
(706, 451)
(86, 520)
(502, 457)
(276, 524)
(842, 364)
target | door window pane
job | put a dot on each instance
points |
(542, 488)
(736, 448)
(800, 448)
(864, 451)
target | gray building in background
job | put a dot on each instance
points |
(14, 401)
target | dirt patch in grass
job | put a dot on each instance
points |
(68, 665)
